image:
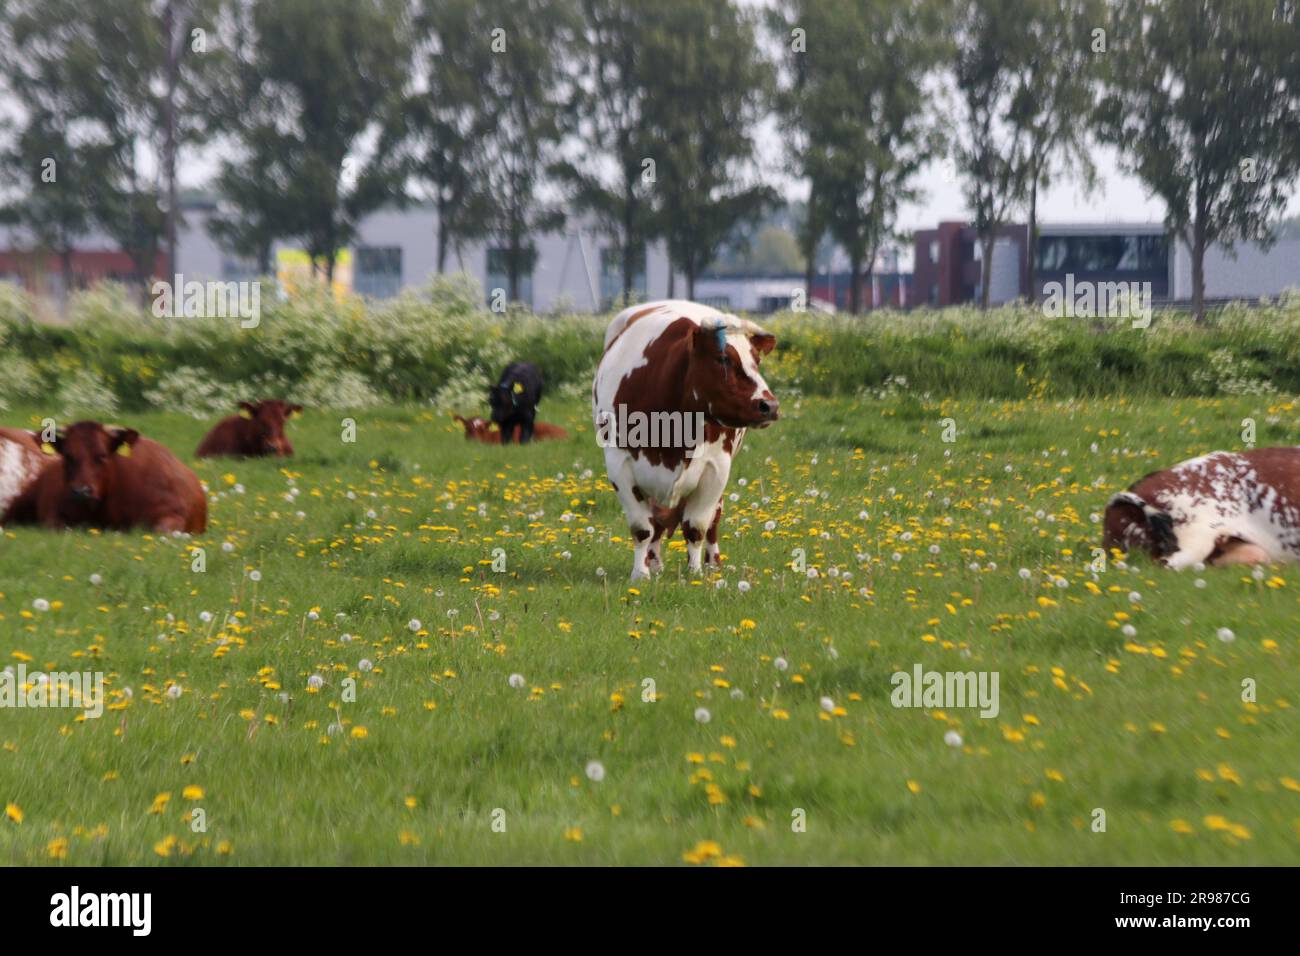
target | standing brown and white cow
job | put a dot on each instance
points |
(674, 392)
(21, 460)
(1220, 508)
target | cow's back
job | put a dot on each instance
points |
(226, 438)
(153, 485)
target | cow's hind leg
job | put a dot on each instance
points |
(1237, 551)
(665, 521)
(712, 555)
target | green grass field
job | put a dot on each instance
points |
(918, 545)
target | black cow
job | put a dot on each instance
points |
(514, 400)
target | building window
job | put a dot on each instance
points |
(1111, 254)
(934, 251)
(611, 275)
(498, 275)
(377, 271)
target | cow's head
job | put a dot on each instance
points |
(267, 420)
(89, 451)
(722, 377)
(474, 427)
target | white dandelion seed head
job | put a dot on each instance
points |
(414, 624)
(365, 666)
(96, 579)
(702, 715)
(827, 704)
(952, 738)
(175, 691)
(595, 771)
(40, 604)
(315, 682)
(781, 664)
(516, 681)
(1225, 634)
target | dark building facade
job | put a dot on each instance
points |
(947, 259)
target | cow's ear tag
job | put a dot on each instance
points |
(295, 413)
(47, 448)
(245, 413)
(124, 450)
(519, 388)
(721, 333)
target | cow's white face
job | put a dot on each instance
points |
(723, 378)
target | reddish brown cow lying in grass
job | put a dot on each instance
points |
(109, 477)
(256, 432)
(21, 460)
(480, 429)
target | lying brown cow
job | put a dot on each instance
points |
(21, 460)
(480, 429)
(109, 477)
(256, 432)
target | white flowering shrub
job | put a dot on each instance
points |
(85, 393)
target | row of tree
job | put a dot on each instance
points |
(507, 113)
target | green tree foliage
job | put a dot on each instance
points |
(992, 44)
(523, 106)
(859, 106)
(699, 115)
(93, 86)
(313, 79)
(616, 76)
(1055, 94)
(1203, 101)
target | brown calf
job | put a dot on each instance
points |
(480, 429)
(256, 432)
(109, 477)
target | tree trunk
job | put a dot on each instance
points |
(442, 236)
(1198, 269)
(855, 289)
(65, 256)
(1032, 252)
(690, 281)
(629, 214)
(986, 268)
(512, 269)
(169, 140)
(672, 270)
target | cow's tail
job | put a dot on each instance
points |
(1131, 521)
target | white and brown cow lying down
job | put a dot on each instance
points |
(1220, 508)
(21, 460)
(700, 367)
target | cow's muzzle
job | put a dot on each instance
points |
(766, 410)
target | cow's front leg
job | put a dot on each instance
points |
(640, 516)
(526, 420)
